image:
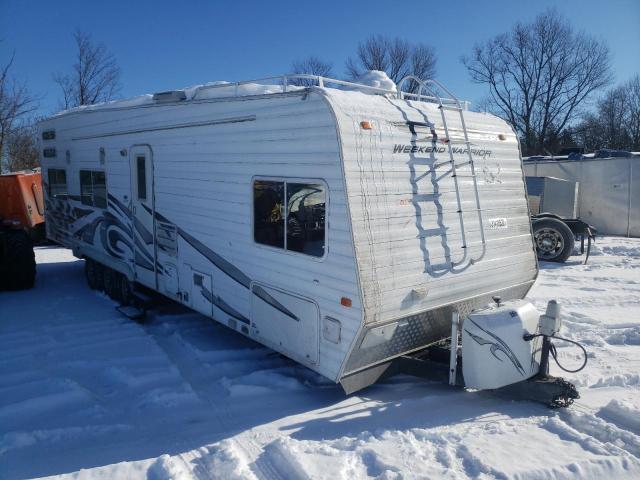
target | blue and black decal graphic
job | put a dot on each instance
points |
(497, 345)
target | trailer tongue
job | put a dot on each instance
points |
(505, 349)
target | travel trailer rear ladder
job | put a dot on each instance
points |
(456, 107)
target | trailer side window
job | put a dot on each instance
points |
(93, 188)
(305, 218)
(268, 213)
(57, 182)
(297, 224)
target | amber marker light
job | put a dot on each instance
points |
(345, 302)
(366, 125)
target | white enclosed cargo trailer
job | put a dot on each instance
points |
(339, 224)
(609, 188)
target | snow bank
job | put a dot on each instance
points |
(226, 461)
(169, 468)
(623, 414)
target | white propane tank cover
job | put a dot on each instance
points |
(494, 353)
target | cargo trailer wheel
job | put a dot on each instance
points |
(18, 268)
(553, 239)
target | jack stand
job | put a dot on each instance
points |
(453, 358)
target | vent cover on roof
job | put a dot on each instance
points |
(170, 96)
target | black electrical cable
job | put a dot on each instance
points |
(530, 336)
(554, 354)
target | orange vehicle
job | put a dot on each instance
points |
(21, 224)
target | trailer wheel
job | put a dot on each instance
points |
(93, 276)
(94, 272)
(553, 239)
(99, 275)
(19, 269)
(125, 290)
(110, 277)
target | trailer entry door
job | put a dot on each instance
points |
(142, 209)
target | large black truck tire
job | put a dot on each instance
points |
(17, 260)
(553, 239)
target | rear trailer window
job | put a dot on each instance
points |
(290, 216)
(57, 182)
(93, 188)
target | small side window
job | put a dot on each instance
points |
(141, 169)
(268, 213)
(93, 188)
(57, 182)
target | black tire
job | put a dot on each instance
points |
(110, 282)
(553, 239)
(125, 290)
(99, 275)
(19, 269)
(93, 274)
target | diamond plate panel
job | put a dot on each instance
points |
(421, 330)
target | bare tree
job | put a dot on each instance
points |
(539, 76)
(313, 66)
(616, 122)
(95, 77)
(633, 118)
(397, 57)
(16, 103)
(22, 149)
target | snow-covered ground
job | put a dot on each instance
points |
(85, 393)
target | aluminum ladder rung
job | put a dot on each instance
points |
(425, 197)
(463, 164)
(432, 232)
(447, 107)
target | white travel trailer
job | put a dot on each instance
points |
(340, 224)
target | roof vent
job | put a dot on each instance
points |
(170, 96)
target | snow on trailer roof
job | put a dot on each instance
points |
(373, 82)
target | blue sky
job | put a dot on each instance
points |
(162, 45)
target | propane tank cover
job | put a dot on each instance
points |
(494, 352)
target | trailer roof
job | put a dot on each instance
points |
(373, 82)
